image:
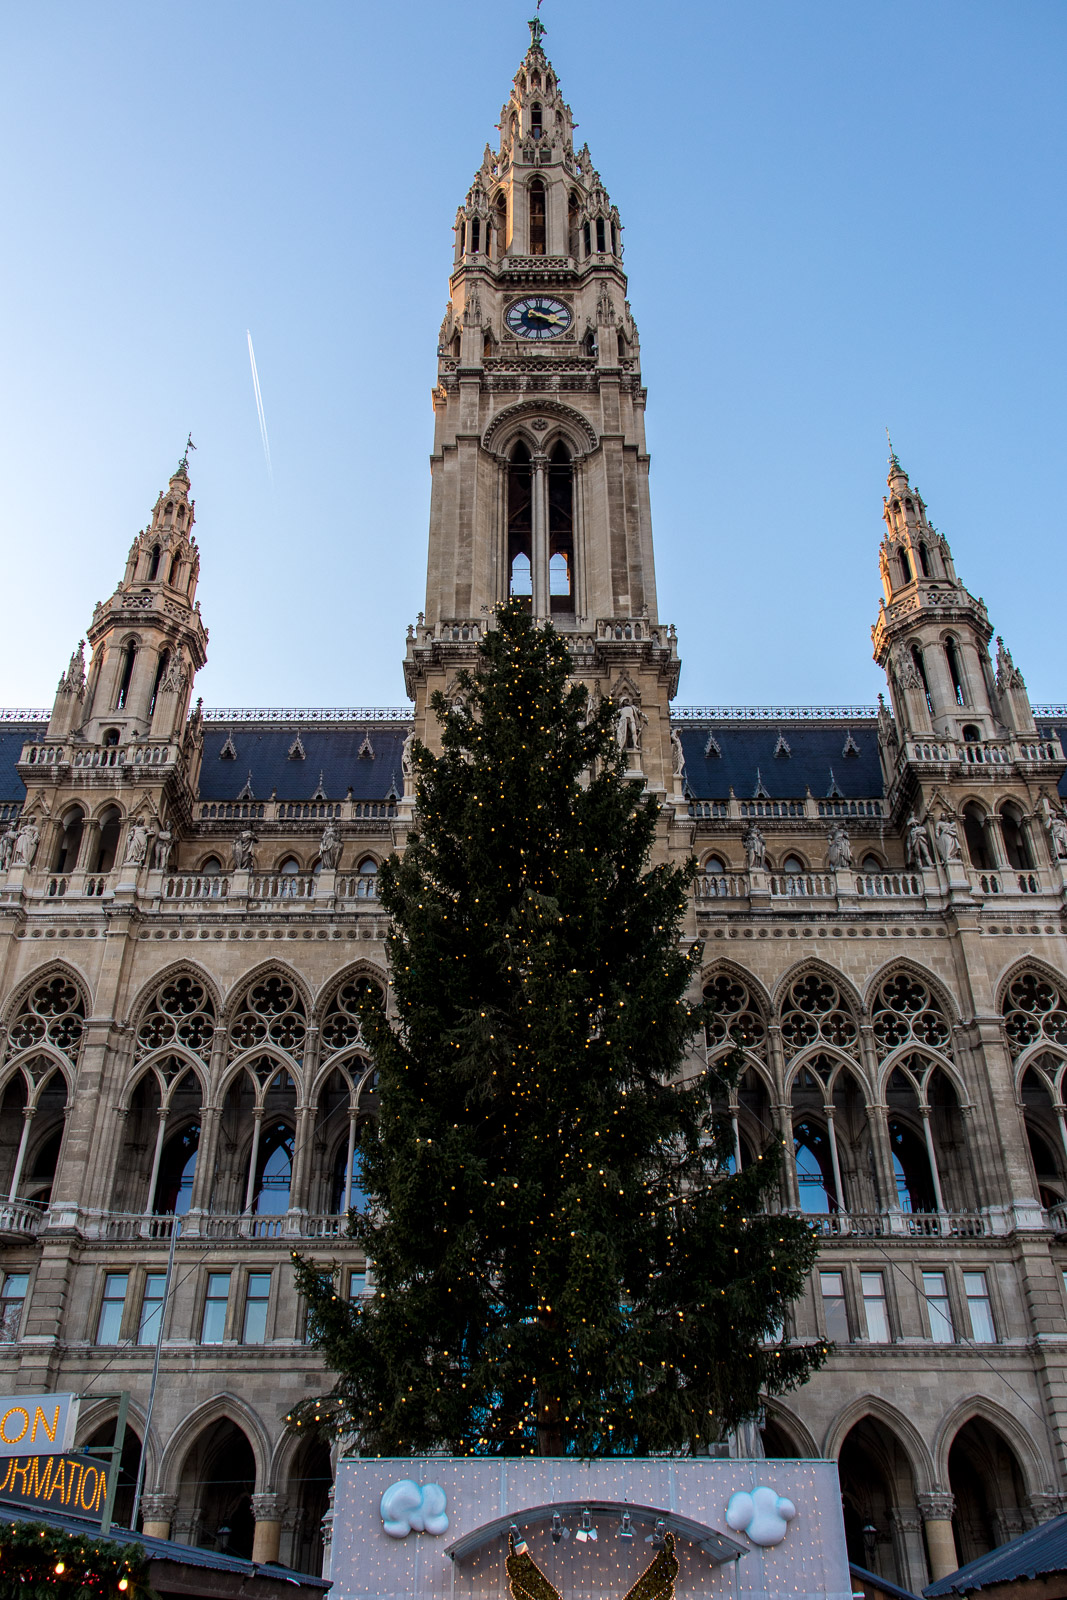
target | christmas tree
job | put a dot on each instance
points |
(563, 1259)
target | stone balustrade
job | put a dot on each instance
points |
(21, 1219)
(281, 886)
(196, 886)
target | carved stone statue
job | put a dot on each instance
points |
(755, 849)
(7, 845)
(242, 851)
(628, 727)
(29, 837)
(948, 840)
(407, 761)
(1055, 822)
(161, 852)
(840, 851)
(917, 844)
(678, 753)
(330, 847)
(136, 844)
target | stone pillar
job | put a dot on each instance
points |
(539, 535)
(267, 1541)
(936, 1509)
(158, 1511)
(908, 1546)
(204, 1176)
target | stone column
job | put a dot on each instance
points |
(936, 1509)
(204, 1176)
(158, 1511)
(908, 1545)
(539, 536)
(267, 1541)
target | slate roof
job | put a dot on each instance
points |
(816, 760)
(747, 759)
(169, 1550)
(861, 1576)
(1034, 1554)
(332, 752)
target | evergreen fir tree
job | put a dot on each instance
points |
(562, 1260)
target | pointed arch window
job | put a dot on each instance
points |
(906, 565)
(274, 1174)
(476, 235)
(587, 239)
(501, 223)
(70, 840)
(538, 219)
(161, 668)
(536, 121)
(955, 669)
(1016, 846)
(520, 525)
(561, 530)
(974, 831)
(924, 560)
(130, 656)
(601, 243)
(614, 240)
(572, 224)
(920, 667)
(153, 563)
(815, 1177)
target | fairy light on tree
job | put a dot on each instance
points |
(563, 1261)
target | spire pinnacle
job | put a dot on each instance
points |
(537, 29)
(183, 464)
(893, 462)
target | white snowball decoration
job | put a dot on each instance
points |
(407, 1508)
(764, 1515)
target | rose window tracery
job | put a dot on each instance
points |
(1034, 1008)
(734, 1013)
(906, 1012)
(815, 1012)
(181, 1013)
(54, 1014)
(342, 1026)
(272, 1012)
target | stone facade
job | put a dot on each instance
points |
(188, 909)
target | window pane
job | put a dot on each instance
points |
(834, 1308)
(976, 1289)
(110, 1325)
(213, 1330)
(357, 1285)
(12, 1301)
(257, 1295)
(874, 1307)
(937, 1308)
(151, 1306)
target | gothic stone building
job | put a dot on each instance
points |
(188, 910)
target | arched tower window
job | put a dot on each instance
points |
(924, 560)
(572, 225)
(70, 840)
(955, 668)
(906, 565)
(600, 236)
(1016, 847)
(476, 235)
(153, 563)
(974, 831)
(164, 662)
(462, 238)
(501, 223)
(561, 530)
(536, 122)
(587, 239)
(123, 695)
(538, 220)
(614, 240)
(520, 525)
(920, 667)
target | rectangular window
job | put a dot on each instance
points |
(213, 1328)
(12, 1304)
(938, 1308)
(976, 1289)
(834, 1308)
(257, 1294)
(109, 1327)
(357, 1283)
(874, 1307)
(151, 1308)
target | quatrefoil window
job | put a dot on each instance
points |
(181, 1013)
(906, 1012)
(53, 1013)
(735, 1013)
(816, 1013)
(272, 1013)
(1034, 1008)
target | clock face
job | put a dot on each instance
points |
(538, 317)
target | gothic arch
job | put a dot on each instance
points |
(56, 968)
(1042, 969)
(100, 1412)
(900, 1056)
(914, 969)
(223, 1407)
(258, 1052)
(110, 802)
(147, 1065)
(1036, 1472)
(360, 968)
(575, 428)
(911, 1440)
(733, 969)
(182, 968)
(777, 1412)
(264, 969)
(843, 1063)
(849, 993)
(343, 1061)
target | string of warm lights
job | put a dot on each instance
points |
(562, 1259)
(40, 1563)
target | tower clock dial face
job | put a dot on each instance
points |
(538, 317)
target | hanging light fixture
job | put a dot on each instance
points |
(655, 1538)
(627, 1529)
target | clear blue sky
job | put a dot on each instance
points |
(838, 215)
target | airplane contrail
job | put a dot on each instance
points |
(259, 410)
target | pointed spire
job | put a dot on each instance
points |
(183, 465)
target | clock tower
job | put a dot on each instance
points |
(539, 465)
